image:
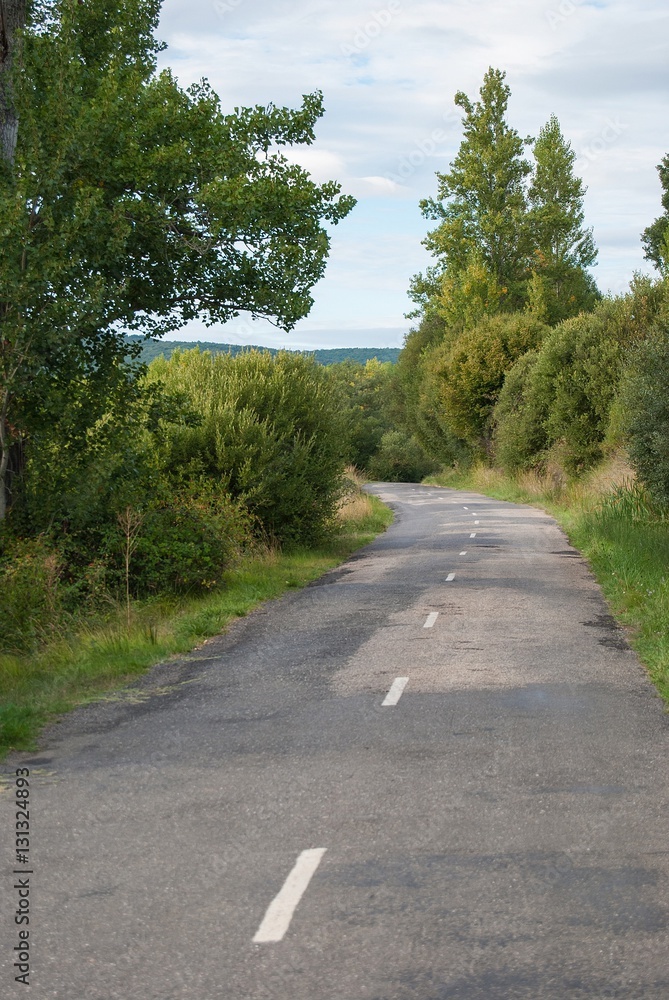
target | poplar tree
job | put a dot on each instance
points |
(481, 200)
(562, 248)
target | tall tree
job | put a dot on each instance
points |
(481, 201)
(562, 248)
(133, 204)
(655, 238)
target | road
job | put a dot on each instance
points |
(439, 772)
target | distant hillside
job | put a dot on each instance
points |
(154, 348)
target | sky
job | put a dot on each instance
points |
(389, 70)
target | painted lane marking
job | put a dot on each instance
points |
(396, 689)
(280, 911)
(463, 553)
(473, 535)
(477, 522)
(450, 578)
(431, 619)
(465, 508)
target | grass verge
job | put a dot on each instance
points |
(623, 537)
(86, 665)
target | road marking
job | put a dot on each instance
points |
(473, 535)
(396, 690)
(450, 578)
(280, 911)
(463, 553)
(477, 522)
(431, 619)
(465, 508)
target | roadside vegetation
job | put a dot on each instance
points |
(81, 658)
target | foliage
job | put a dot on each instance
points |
(510, 234)
(270, 434)
(364, 398)
(561, 399)
(400, 459)
(32, 598)
(132, 203)
(481, 201)
(655, 238)
(187, 540)
(561, 248)
(470, 373)
(645, 404)
(414, 394)
(101, 653)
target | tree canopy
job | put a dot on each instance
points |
(132, 204)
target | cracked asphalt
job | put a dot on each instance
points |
(498, 832)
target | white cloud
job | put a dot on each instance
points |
(389, 90)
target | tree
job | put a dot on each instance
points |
(481, 201)
(12, 19)
(562, 248)
(655, 238)
(471, 373)
(132, 204)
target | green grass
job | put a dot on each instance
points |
(100, 658)
(623, 537)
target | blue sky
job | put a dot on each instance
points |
(389, 70)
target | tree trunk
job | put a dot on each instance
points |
(12, 17)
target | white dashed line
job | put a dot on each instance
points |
(280, 911)
(396, 690)
(463, 553)
(431, 619)
(473, 535)
(450, 578)
(465, 508)
(477, 522)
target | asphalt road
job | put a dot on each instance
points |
(439, 772)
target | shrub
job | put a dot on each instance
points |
(560, 401)
(31, 594)
(271, 435)
(518, 418)
(186, 542)
(645, 405)
(471, 372)
(400, 459)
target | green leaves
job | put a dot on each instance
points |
(134, 204)
(502, 220)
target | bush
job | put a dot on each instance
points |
(471, 372)
(519, 419)
(31, 595)
(186, 542)
(400, 459)
(560, 401)
(271, 435)
(645, 404)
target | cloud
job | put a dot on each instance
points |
(389, 70)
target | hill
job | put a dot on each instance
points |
(154, 348)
